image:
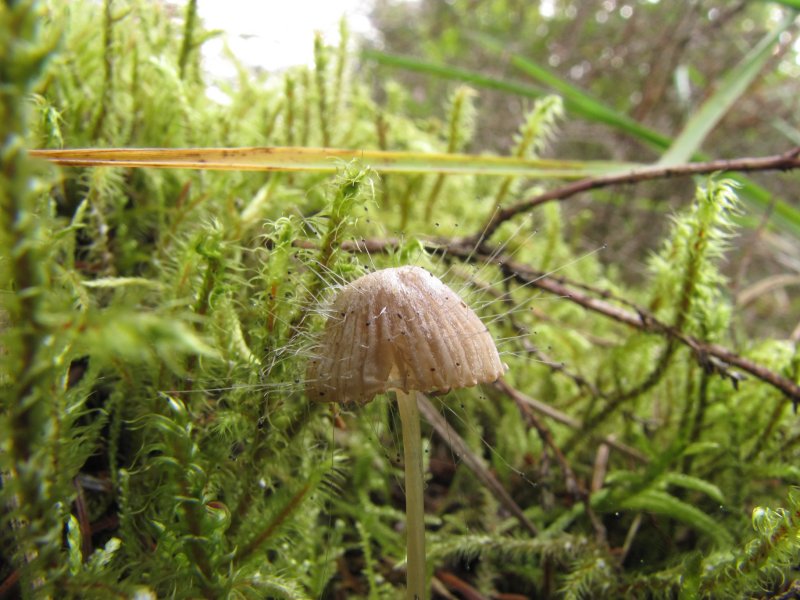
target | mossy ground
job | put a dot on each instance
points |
(156, 326)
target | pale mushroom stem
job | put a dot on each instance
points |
(415, 511)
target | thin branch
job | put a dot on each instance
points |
(564, 419)
(645, 321)
(452, 581)
(782, 162)
(8, 584)
(460, 447)
(574, 486)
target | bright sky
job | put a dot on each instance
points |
(275, 34)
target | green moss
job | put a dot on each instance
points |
(156, 326)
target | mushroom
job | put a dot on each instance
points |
(402, 329)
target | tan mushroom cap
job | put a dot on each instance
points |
(400, 328)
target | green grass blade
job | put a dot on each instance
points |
(664, 504)
(690, 482)
(576, 100)
(788, 3)
(409, 63)
(783, 214)
(731, 86)
(786, 129)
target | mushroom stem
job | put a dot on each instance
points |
(415, 511)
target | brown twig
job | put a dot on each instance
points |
(644, 321)
(782, 162)
(8, 584)
(574, 486)
(452, 581)
(564, 419)
(460, 447)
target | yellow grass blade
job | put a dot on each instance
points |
(326, 160)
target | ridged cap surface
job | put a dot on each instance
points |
(399, 328)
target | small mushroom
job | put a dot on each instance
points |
(402, 329)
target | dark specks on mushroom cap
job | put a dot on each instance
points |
(400, 328)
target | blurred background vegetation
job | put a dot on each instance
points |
(630, 71)
(155, 324)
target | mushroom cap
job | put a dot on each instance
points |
(399, 328)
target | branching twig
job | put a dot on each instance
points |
(459, 585)
(783, 162)
(460, 447)
(564, 419)
(645, 321)
(574, 486)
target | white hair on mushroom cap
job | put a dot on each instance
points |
(400, 328)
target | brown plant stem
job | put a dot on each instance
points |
(783, 162)
(457, 584)
(462, 450)
(243, 555)
(647, 322)
(556, 415)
